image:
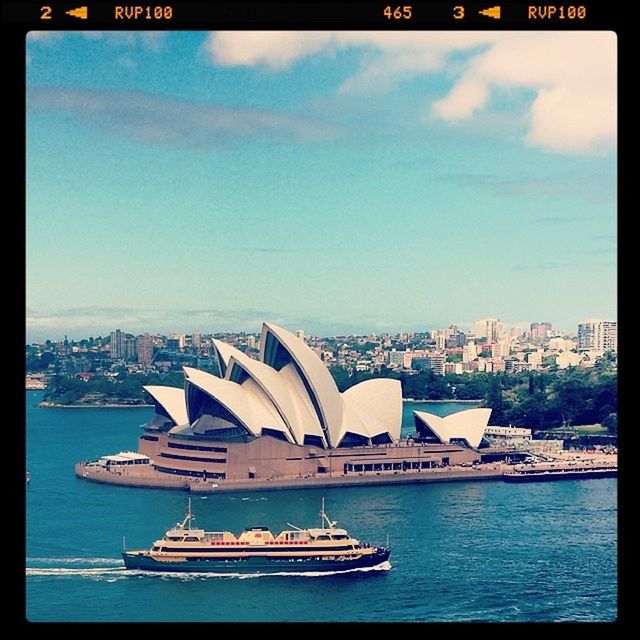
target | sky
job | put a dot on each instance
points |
(337, 182)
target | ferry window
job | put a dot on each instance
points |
(323, 538)
(368, 467)
(217, 536)
(397, 465)
(191, 539)
(358, 467)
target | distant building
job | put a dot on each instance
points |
(507, 435)
(540, 330)
(534, 359)
(598, 335)
(441, 341)
(453, 367)
(117, 344)
(251, 342)
(513, 365)
(561, 344)
(568, 359)
(469, 352)
(196, 339)
(500, 349)
(300, 334)
(396, 358)
(436, 362)
(144, 347)
(490, 328)
(129, 347)
(175, 342)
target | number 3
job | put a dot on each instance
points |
(458, 13)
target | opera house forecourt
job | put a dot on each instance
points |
(281, 421)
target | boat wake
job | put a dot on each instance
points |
(75, 561)
(116, 571)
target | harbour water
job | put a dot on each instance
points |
(482, 551)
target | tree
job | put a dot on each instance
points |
(493, 399)
(341, 377)
(610, 423)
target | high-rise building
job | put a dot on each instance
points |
(490, 328)
(501, 348)
(300, 334)
(196, 339)
(456, 339)
(396, 358)
(129, 347)
(436, 362)
(540, 330)
(598, 335)
(144, 347)
(175, 342)
(469, 352)
(441, 341)
(251, 342)
(117, 344)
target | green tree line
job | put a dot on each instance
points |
(536, 400)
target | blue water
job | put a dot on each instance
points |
(460, 551)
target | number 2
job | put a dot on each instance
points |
(46, 13)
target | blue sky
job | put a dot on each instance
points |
(337, 182)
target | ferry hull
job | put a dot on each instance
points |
(253, 564)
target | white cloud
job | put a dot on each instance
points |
(571, 74)
(153, 119)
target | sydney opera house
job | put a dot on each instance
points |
(282, 416)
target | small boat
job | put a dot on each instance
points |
(256, 550)
(28, 477)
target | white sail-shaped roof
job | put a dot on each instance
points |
(275, 387)
(305, 414)
(172, 400)
(289, 391)
(317, 379)
(466, 425)
(250, 414)
(224, 352)
(380, 401)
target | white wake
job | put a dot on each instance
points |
(118, 572)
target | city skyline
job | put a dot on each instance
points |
(342, 183)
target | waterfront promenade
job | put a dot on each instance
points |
(147, 477)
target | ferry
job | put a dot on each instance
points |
(256, 550)
(536, 474)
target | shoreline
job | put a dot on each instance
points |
(53, 405)
(155, 480)
(151, 479)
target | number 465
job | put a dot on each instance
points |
(399, 13)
